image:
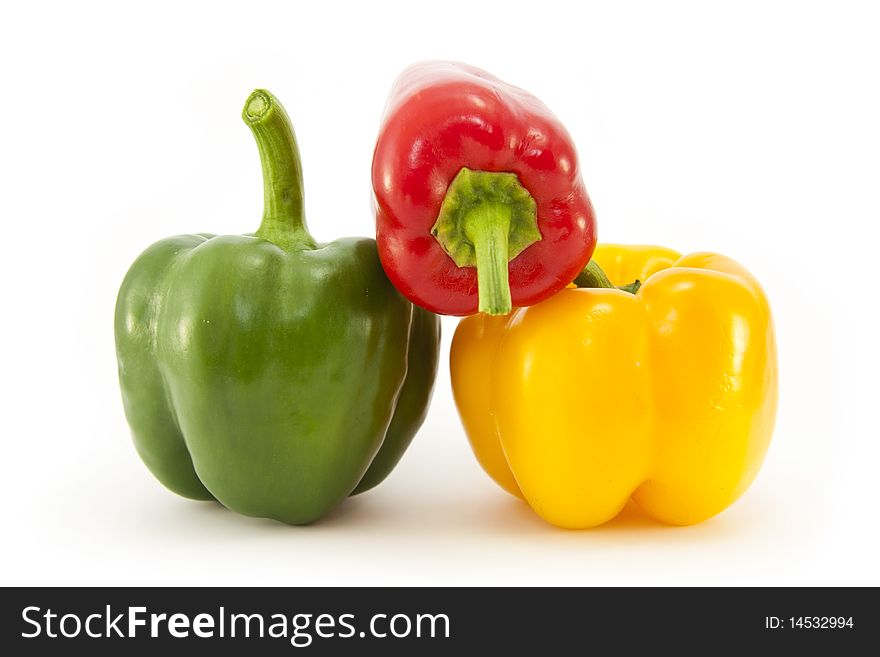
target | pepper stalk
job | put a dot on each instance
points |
(487, 219)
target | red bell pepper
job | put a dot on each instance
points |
(479, 199)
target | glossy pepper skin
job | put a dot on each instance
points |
(443, 118)
(270, 372)
(595, 396)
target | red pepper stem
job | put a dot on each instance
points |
(284, 222)
(487, 227)
(486, 220)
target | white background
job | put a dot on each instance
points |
(751, 130)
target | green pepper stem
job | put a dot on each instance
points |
(487, 227)
(283, 221)
(593, 276)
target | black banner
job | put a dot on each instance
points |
(433, 621)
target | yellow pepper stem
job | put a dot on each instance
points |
(593, 276)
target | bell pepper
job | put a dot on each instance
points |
(479, 199)
(270, 372)
(666, 396)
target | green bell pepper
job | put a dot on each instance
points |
(270, 372)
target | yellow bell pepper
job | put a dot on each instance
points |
(598, 395)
